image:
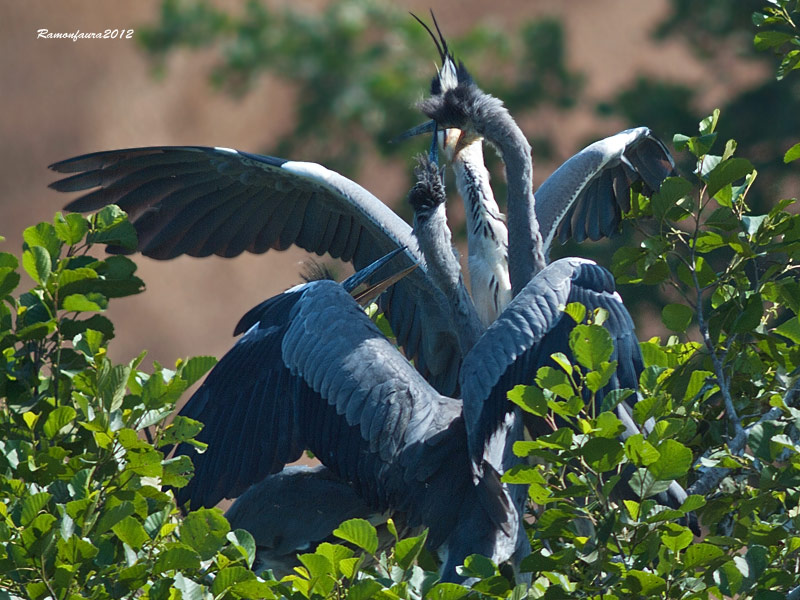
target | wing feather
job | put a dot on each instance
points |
(580, 198)
(201, 201)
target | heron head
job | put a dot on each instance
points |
(452, 89)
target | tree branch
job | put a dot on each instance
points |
(711, 477)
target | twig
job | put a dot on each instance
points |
(712, 476)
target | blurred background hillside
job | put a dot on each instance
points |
(332, 83)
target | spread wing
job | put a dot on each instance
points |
(586, 196)
(201, 201)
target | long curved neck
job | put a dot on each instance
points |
(525, 251)
(487, 234)
(435, 242)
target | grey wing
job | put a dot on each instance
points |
(586, 196)
(201, 201)
(314, 372)
(294, 510)
(532, 328)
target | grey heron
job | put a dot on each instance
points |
(583, 199)
(313, 371)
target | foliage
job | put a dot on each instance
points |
(83, 506)
(721, 392)
(780, 33)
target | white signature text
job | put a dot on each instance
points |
(108, 34)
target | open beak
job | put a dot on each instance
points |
(360, 287)
(428, 127)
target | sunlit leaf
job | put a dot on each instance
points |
(360, 533)
(674, 461)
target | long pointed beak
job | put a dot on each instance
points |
(368, 294)
(364, 292)
(414, 131)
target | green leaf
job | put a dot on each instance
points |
(196, 367)
(701, 554)
(177, 471)
(204, 530)
(645, 485)
(112, 385)
(709, 124)
(229, 577)
(792, 153)
(673, 462)
(44, 236)
(320, 569)
(676, 317)
(596, 380)
(644, 584)
(406, 551)
(701, 145)
(790, 329)
(180, 430)
(113, 515)
(591, 345)
(364, 590)
(72, 327)
(750, 317)
(693, 502)
(789, 63)
(764, 40)
(607, 425)
(726, 173)
(176, 556)
(708, 241)
(31, 506)
(447, 591)
(602, 454)
(9, 279)
(112, 227)
(476, 565)
(555, 381)
(71, 228)
(729, 578)
(57, 420)
(37, 263)
(760, 437)
(751, 224)
(75, 551)
(84, 302)
(641, 452)
(577, 311)
(360, 533)
(562, 361)
(676, 537)
(337, 553)
(672, 190)
(130, 531)
(530, 398)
